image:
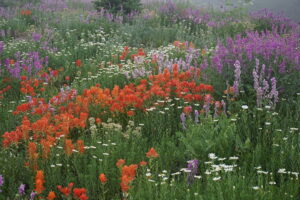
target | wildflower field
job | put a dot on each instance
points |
(169, 101)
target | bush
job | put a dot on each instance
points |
(118, 6)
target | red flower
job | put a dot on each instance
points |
(102, 178)
(78, 63)
(152, 153)
(120, 163)
(143, 163)
(51, 195)
(130, 113)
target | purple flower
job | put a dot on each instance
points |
(36, 36)
(193, 167)
(196, 116)
(1, 181)
(237, 77)
(183, 119)
(32, 195)
(1, 46)
(22, 189)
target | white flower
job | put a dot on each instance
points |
(233, 158)
(217, 178)
(255, 188)
(105, 154)
(272, 183)
(267, 123)
(212, 156)
(186, 170)
(176, 173)
(148, 174)
(282, 171)
(245, 107)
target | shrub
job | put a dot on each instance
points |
(118, 6)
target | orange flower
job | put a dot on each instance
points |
(31, 150)
(120, 163)
(102, 178)
(187, 110)
(143, 163)
(11, 62)
(51, 195)
(98, 121)
(39, 182)
(130, 113)
(80, 146)
(152, 153)
(69, 147)
(128, 175)
(66, 190)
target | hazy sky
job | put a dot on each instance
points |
(291, 8)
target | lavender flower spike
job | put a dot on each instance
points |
(193, 167)
(183, 119)
(32, 195)
(1, 181)
(237, 77)
(22, 190)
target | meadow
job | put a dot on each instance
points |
(172, 102)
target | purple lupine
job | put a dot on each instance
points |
(32, 195)
(1, 46)
(224, 107)
(206, 108)
(183, 120)
(1, 181)
(36, 36)
(196, 112)
(237, 77)
(22, 190)
(274, 93)
(193, 167)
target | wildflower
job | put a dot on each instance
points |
(80, 146)
(22, 189)
(130, 113)
(80, 193)
(193, 167)
(66, 190)
(1, 181)
(183, 119)
(102, 178)
(69, 147)
(245, 107)
(152, 153)
(143, 163)
(51, 195)
(120, 163)
(78, 63)
(187, 110)
(128, 175)
(39, 182)
(217, 178)
(32, 195)
(212, 156)
(36, 36)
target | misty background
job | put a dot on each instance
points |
(290, 8)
